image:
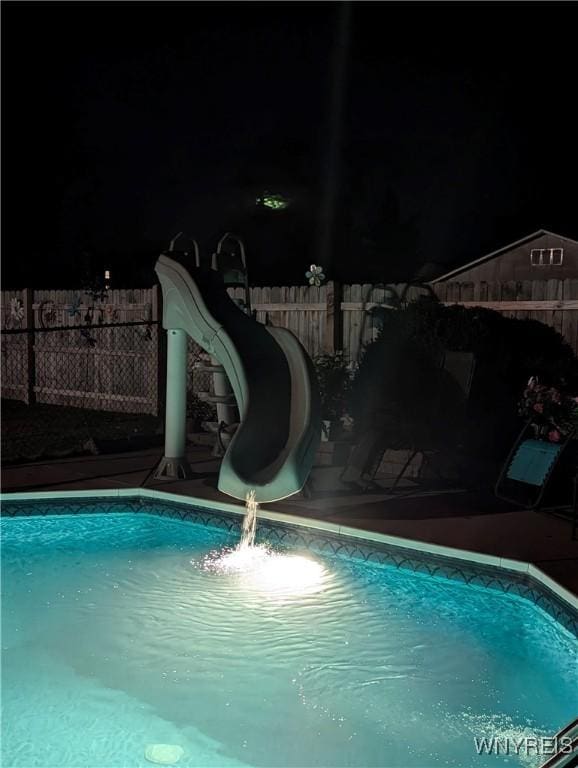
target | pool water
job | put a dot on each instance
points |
(120, 631)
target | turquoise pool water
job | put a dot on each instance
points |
(119, 631)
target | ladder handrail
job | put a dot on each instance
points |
(195, 246)
(231, 236)
(563, 757)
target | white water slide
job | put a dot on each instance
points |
(271, 375)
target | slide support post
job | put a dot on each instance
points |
(174, 464)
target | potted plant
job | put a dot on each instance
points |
(334, 382)
(552, 414)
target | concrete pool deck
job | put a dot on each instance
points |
(448, 517)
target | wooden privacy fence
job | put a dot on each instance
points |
(552, 302)
(123, 370)
(329, 317)
(334, 317)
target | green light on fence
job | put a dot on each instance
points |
(274, 202)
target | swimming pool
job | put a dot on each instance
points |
(120, 631)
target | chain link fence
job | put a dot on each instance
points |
(198, 382)
(91, 389)
(80, 389)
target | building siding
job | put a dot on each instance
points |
(515, 264)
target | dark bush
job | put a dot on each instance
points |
(334, 382)
(399, 371)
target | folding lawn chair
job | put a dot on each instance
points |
(457, 369)
(528, 469)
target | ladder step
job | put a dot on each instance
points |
(208, 397)
(206, 368)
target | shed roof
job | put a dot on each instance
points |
(493, 254)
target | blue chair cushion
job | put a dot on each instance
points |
(533, 461)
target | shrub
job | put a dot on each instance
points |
(334, 384)
(397, 369)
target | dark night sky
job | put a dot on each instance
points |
(126, 123)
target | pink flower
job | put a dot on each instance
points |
(538, 407)
(554, 436)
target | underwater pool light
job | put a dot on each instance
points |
(273, 573)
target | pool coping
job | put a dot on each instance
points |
(531, 571)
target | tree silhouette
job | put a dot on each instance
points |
(379, 243)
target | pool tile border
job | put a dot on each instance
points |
(473, 568)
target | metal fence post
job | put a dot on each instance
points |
(160, 353)
(30, 357)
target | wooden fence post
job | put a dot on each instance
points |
(160, 353)
(30, 358)
(333, 327)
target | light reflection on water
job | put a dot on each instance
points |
(274, 574)
(259, 568)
